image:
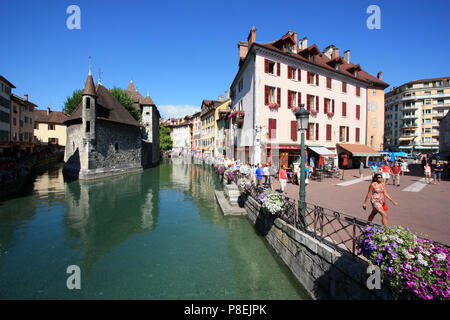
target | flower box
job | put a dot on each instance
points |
(314, 112)
(273, 106)
(295, 109)
(330, 114)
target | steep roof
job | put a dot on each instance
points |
(6, 81)
(134, 94)
(108, 109)
(89, 87)
(56, 117)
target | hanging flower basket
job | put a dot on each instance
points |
(273, 106)
(330, 114)
(314, 112)
(295, 109)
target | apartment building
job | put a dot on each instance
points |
(375, 115)
(197, 133)
(208, 134)
(275, 78)
(22, 123)
(413, 111)
(5, 114)
(221, 115)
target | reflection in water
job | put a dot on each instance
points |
(154, 235)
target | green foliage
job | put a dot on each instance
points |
(72, 102)
(165, 141)
(125, 100)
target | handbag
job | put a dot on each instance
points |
(385, 206)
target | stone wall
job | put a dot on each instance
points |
(324, 272)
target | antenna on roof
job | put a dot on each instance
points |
(90, 66)
(100, 76)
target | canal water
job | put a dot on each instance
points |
(158, 234)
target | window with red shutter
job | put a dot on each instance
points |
(357, 111)
(266, 66)
(344, 109)
(357, 135)
(289, 72)
(317, 103)
(317, 131)
(279, 96)
(299, 99)
(325, 105)
(289, 98)
(299, 74)
(341, 134)
(332, 108)
(266, 95)
(272, 128)
(308, 102)
(308, 77)
(358, 91)
(278, 69)
(317, 79)
(328, 132)
(294, 130)
(308, 131)
(347, 133)
(328, 83)
(344, 86)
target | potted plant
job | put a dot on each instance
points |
(330, 114)
(272, 203)
(239, 117)
(273, 106)
(314, 112)
(229, 175)
(295, 109)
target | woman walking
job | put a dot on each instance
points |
(377, 193)
(427, 170)
(283, 178)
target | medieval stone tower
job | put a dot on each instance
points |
(89, 95)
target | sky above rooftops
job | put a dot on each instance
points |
(182, 52)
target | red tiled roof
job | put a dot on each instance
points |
(89, 87)
(56, 117)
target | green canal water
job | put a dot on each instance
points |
(159, 234)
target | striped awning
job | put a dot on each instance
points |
(322, 151)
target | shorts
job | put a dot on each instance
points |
(385, 175)
(283, 183)
(395, 176)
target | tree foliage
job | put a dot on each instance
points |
(72, 102)
(165, 141)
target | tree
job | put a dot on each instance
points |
(72, 102)
(125, 100)
(165, 141)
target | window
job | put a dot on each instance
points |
(292, 99)
(312, 131)
(358, 91)
(374, 106)
(358, 111)
(344, 86)
(328, 105)
(374, 122)
(271, 95)
(374, 92)
(343, 134)
(357, 135)
(344, 109)
(329, 132)
(116, 147)
(291, 72)
(371, 141)
(328, 83)
(294, 130)
(14, 121)
(88, 126)
(311, 77)
(312, 103)
(51, 126)
(269, 67)
(272, 128)
(88, 103)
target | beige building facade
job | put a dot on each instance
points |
(49, 128)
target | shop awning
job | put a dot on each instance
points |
(322, 151)
(359, 150)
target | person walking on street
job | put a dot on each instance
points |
(427, 171)
(361, 168)
(266, 174)
(385, 169)
(283, 178)
(253, 174)
(259, 174)
(374, 168)
(438, 172)
(377, 193)
(395, 170)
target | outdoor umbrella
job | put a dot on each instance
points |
(320, 161)
(345, 162)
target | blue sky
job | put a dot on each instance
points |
(182, 52)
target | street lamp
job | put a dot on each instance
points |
(302, 116)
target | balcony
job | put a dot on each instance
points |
(439, 115)
(409, 116)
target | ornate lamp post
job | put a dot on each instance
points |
(302, 116)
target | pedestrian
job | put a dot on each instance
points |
(307, 174)
(259, 174)
(427, 171)
(283, 178)
(361, 168)
(374, 168)
(266, 174)
(395, 170)
(378, 194)
(385, 169)
(438, 172)
(404, 166)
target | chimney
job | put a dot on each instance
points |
(304, 43)
(347, 56)
(251, 37)
(335, 53)
(243, 49)
(48, 110)
(25, 97)
(328, 50)
(379, 75)
(295, 49)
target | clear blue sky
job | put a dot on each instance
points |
(185, 51)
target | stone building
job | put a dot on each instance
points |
(22, 123)
(103, 139)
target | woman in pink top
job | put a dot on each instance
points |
(427, 170)
(283, 178)
(377, 193)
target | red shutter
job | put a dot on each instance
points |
(279, 96)
(347, 133)
(329, 83)
(299, 74)
(272, 128)
(341, 138)
(357, 135)
(344, 109)
(266, 66)
(289, 99)
(328, 132)
(344, 86)
(317, 103)
(332, 107)
(289, 72)
(317, 131)
(325, 106)
(308, 102)
(294, 130)
(308, 132)
(357, 91)
(278, 69)
(308, 77)
(317, 79)
(266, 95)
(299, 98)
(357, 111)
